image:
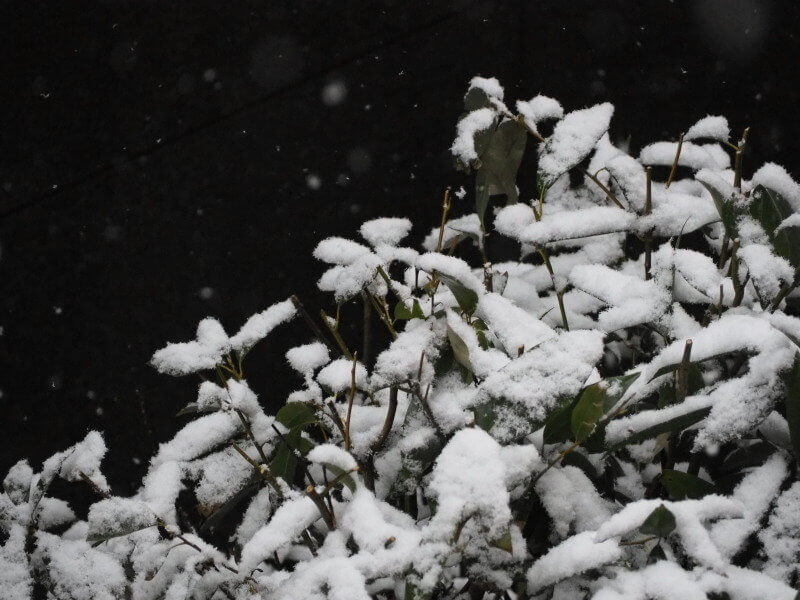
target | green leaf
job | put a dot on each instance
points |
(284, 463)
(500, 161)
(668, 426)
(503, 543)
(402, 312)
(189, 409)
(656, 554)
(460, 349)
(726, 209)
(466, 298)
(769, 208)
(296, 415)
(476, 98)
(660, 522)
(684, 485)
(346, 479)
(592, 405)
(557, 428)
(793, 406)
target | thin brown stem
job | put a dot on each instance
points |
(334, 329)
(552, 464)
(384, 315)
(785, 290)
(674, 168)
(262, 470)
(350, 398)
(445, 210)
(387, 423)
(366, 343)
(609, 194)
(249, 431)
(559, 294)
(312, 325)
(327, 516)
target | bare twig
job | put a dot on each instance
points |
(334, 329)
(327, 516)
(387, 423)
(366, 345)
(312, 325)
(675, 162)
(604, 189)
(350, 398)
(445, 211)
(737, 172)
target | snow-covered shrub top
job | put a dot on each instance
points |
(611, 413)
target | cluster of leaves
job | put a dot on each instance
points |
(612, 412)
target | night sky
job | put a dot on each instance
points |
(166, 161)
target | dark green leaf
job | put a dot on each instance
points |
(402, 312)
(346, 479)
(793, 406)
(189, 409)
(466, 298)
(500, 161)
(753, 455)
(674, 367)
(656, 554)
(284, 463)
(661, 522)
(769, 208)
(557, 428)
(668, 426)
(503, 543)
(296, 414)
(476, 98)
(726, 209)
(685, 485)
(592, 405)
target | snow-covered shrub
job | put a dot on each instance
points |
(612, 412)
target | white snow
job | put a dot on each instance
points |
(573, 139)
(775, 177)
(260, 325)
(308, 358)
(568, 225)
(539, 108)
(386, 231)
(463, 147)
(709, 127)
(574, 555)
(694, 156)
(338, 375)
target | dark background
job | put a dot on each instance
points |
(155, 162)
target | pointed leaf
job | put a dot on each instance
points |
(685, 485)
(466, 298)
(661, 522)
